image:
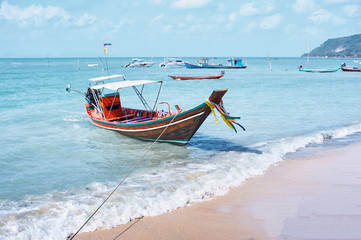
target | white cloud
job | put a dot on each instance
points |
(303, 5)
(219, 19)
(271, 21)
(255, 8)
(232, 17)
(311, 30)
(34, 13)
(184, 4)
(39, 15)
(181, 25)
(123, 22)
(166, 28)
(157, 18)
(248, 9)
(320, 16)
(86, 20)
(195, 27)
(323, 16)
(193, 19)
(336, 1)
(221, 7)
(156, 2)
(351, 10)
(250, 26)
(268, 8)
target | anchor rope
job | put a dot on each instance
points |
(126, 176)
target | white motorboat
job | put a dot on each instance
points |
(172, 63)
(139, 63)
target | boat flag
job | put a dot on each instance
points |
(106, 45)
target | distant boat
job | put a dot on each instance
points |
(139, 63)
(93, 65)
(190, 65)
(198, 77)
(204, 63)
(172, 63)
(350, 69)
(232, 63)
(315, 70)
(318, 70)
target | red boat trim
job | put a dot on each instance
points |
(155, 121)
(140, 130)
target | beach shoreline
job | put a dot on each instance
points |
(315, 197)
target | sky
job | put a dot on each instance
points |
(173, 28)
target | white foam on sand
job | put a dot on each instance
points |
(168, 186)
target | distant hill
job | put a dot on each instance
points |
(338, 47)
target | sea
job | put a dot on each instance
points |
(56, 167)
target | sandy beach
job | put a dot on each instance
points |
(316, 197)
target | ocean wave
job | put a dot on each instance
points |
(168, 186)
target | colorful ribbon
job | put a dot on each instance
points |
(229, 120)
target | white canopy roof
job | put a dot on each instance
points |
(122, 84)
(106, 78)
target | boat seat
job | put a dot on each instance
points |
(139, 119)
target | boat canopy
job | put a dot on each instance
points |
(98, 79)
(115, 86)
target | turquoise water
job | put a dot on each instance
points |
(56, 167)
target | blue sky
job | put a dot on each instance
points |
(151, 28)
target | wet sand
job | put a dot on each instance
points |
(317, 197)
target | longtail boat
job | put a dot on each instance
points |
(350, 69)
(217, 76)
(179, 126)
(318, 70)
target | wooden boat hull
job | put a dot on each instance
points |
(196, 77)
(177, 128)
(349, 69)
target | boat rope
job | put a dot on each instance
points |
(229, 120)
(126, 176)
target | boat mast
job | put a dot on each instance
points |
(269, 61)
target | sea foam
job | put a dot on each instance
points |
(168, 186)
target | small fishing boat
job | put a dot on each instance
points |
(318, 70)
(105, 110)
(198, 77)
(172, 63)
(139, 63)
(232, 63)
(190, 65)
(351, 69)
